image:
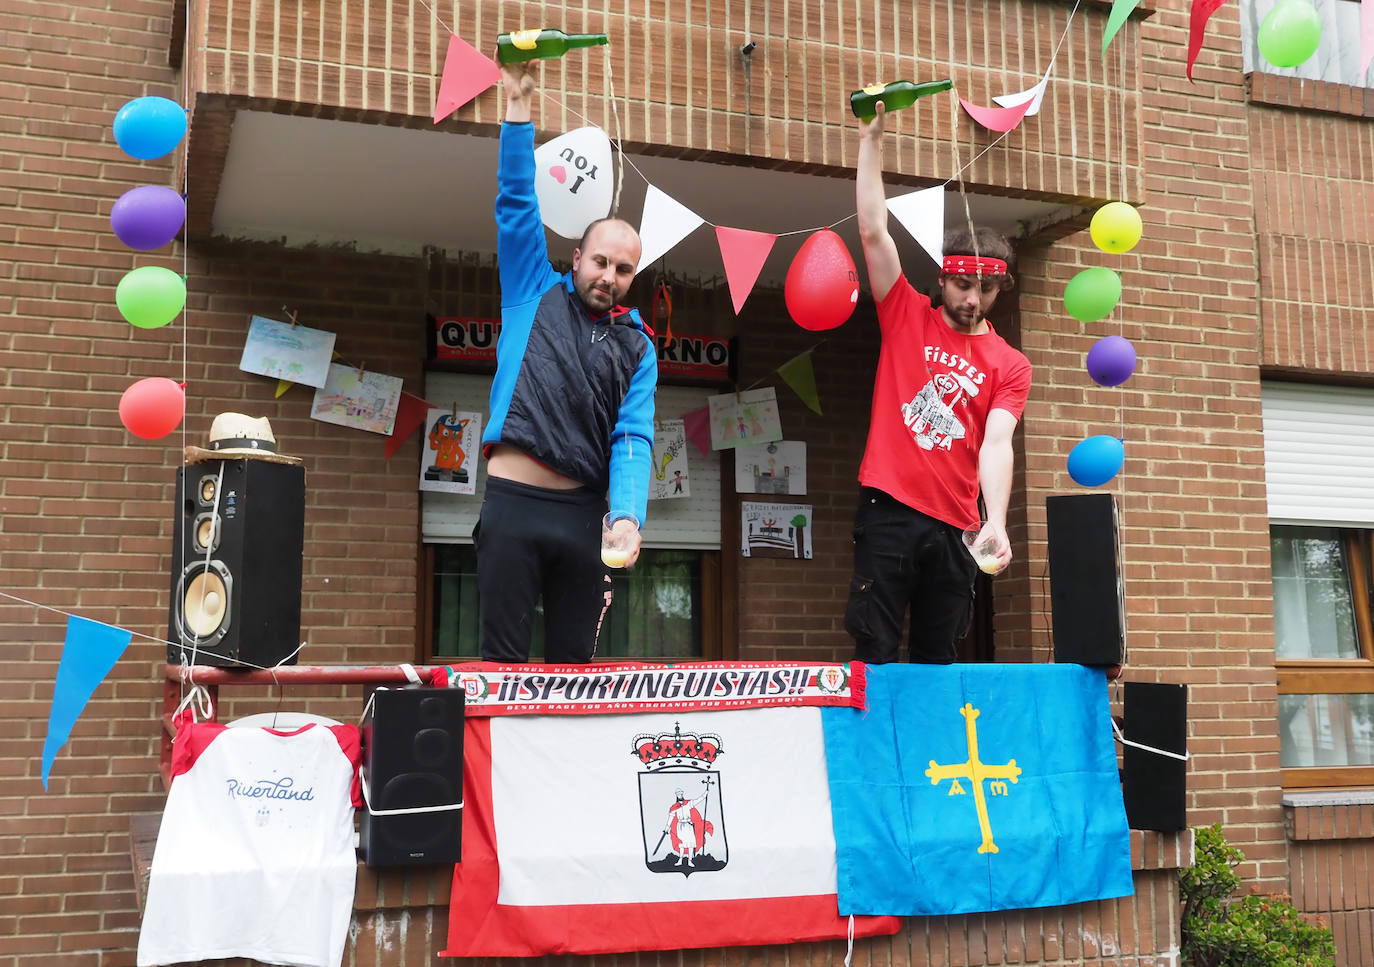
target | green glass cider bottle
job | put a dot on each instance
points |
(522, 45)
(895, 96)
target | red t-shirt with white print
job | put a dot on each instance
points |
(931, 398)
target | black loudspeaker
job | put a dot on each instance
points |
(1154, 785)
(412, 760)
(237, 545)
(1087, 596)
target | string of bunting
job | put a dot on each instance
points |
(567, 166)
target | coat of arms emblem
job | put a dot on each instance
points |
(680, 810)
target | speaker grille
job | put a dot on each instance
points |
(1087, 591)
(413, 758)
(1155, 786)
(204, 592)
(246, 518)
(206, 533)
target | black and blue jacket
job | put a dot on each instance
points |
(574, 392)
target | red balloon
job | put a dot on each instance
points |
(822, 286)
(152, 407)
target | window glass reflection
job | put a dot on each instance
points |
(1326, 730)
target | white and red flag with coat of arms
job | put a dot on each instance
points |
(588, 834)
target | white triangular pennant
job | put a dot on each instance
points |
(1034, 94)
(665, 222)
(922, 213)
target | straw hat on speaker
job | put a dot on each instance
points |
(234, 435)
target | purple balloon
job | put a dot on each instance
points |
(1111, 361)
(148, 217)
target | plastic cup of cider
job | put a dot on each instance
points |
(615, 549)
(984, 552)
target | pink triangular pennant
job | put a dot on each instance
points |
(696, 424)
(997, 118)
(467, 73)
(410, 416)
(743, 253)
(1366, 34)
(1197, 23)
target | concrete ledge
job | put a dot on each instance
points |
(1330, 815)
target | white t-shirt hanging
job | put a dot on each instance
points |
(255, 856)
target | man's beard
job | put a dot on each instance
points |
(966, 318)
(598, 298)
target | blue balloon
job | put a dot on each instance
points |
(149, 127)
(148, 217)
(1095, 460)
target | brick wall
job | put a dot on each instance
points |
(1332, 846)
(84, 509)
(1311, 172)
(689, 92)
(1192, 489)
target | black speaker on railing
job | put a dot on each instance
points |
(237, 544)
(1154, 785)
(1087, 595)
(413, 777)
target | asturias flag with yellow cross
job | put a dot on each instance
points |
(975, 788)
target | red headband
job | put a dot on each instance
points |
(968, 265)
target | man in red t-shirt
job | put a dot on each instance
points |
(948, 393)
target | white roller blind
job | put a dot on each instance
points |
(691, 522)
(1319, 454)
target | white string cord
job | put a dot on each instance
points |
(161, 641)
(1183, 756)
(197, 699)
(362, 781)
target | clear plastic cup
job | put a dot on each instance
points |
(615, 548)
(984, 552)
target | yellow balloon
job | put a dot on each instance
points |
(1116, 227)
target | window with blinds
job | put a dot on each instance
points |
(1319, 453)
(1319, 466)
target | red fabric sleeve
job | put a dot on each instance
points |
(191, 740)
(350, 743)
(900, 306)
(1013, 387)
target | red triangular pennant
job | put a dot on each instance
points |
(467, 73)
(743, 253)
(410, 416)
(1197, 23)
(998, 118)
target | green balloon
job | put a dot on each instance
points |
(1290, 33)
(150, 297)
(1092, 293)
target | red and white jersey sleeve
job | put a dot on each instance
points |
(255, 857)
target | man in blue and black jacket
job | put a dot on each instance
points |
(572, 417)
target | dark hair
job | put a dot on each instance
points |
(582, 245)
(959, 241)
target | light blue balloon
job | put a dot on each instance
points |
(1095, 460)
(149, 127)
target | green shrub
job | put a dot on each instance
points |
(1221, 930)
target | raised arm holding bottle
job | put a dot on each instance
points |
(946, 399)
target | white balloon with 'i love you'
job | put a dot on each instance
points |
(574, 180)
